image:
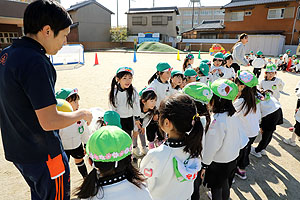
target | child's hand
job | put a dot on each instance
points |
(87, 116)
(202, 173)
(214, 71)
(135, 134)
(138, 123)
(142, 131)
(155, 118)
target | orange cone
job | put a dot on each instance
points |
(96, 59)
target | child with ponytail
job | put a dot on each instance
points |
(113, 176)
(188, 61)
(124, 99)
(172, 168)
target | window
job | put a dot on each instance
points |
(6, 38)
(206, 12)
(276, 13)
(237, 16)
(159, 20)
(187, 13)
(219, 12)
(206, 36)
(187, 22)
(248, 13)
(139, 21)
(170, 18)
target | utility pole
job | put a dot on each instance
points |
(153, 3)
(118, 13)
(193, 14)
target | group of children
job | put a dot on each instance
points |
(200, 124)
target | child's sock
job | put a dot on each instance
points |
(82, 168)
(293, 138)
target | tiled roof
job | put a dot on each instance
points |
(85, 3)
(208, 25)
(152, 10)
(238, 3)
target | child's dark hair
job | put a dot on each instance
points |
(249, 98)
(155, 76)
(225, 60)
(203, 111)
(185, 65)
(220, 105)
(265, 77)
(73, 97)
(178, 86)
(90, 185)
(45, 12)
(115, 84)
(181, 111)
(148, 95)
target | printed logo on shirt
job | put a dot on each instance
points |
(274, 87)
(3, 59)
(148, 172)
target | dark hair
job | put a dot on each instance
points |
(242, 36)
(220, 105)
(73, 97)
(185, 64)
(259, 56)
(155, 76)
(249, 98)
(181, 110)
(225, 60)
(90, 185)
(178, 86)
(45, 12)
(203, 111)
(148, 95)
(114, 84)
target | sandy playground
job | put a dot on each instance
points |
(275, 176)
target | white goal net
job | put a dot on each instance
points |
(68, 55)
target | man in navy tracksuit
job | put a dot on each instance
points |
(29, 118)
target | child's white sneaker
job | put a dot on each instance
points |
(209, 195)
(136, 151)
(289, 142)
(263, 152)
(144, 150)
(254, 153)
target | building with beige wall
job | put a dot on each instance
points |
(160, 20)
(209, 13)
(92, 22)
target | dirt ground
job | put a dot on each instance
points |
(275, 176)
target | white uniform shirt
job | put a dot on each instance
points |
(286, 58)
(157, 166)
(123, 190)
(224, 139)
(297, 116)
(229, 73)
(216, 75)
(279, 62)
(205, 79)
(269, 106)
(162, 90)
(258, 63)
(250, 122)
(276, 85)
(146, 117)
(252, 57)
(71, 136)
(123, 108)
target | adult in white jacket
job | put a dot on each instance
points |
(239, 52)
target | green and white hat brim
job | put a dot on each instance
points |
(125, 69)
(167, 70)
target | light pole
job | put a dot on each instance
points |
(118, 13)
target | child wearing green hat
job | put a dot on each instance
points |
(286, 59)
(217, 70)
(251, 57)
(124, 99)
(190, 75)
(271, 82)
(249, 113)
(113, 177)
(279, 63)
(203, 73)
(72, 136)
(188, 61)
(229, 71)
(201, 94)
(295, 64)
(223, 140)
(258, 63)
(176, 80)
(172, 168)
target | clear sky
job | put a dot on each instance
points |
(124, 5)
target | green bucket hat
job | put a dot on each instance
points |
(175, 72)
(199, 92)
(125, 69)
(251, 51)
(219, 55)
(112, 118)
(205, 61)
(271, 68)
(163, 67)
(247, 77)
(204, 68)
(288, 50)
(64, 93)
(280, 55)
(227, 55)
(259, 53)
(225, 89)
(190, 73)
(146, 89)
(190, 56)
(295, 56)
(109, 144)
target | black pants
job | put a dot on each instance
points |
(197, 183)
(243, 159)
(250, 62)
(235, 66)
(298, 103)
(284, 66)
(257, 72)
(222, 193)
(127, 125)
(152, 130)
(280, 67)
(268, 126)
